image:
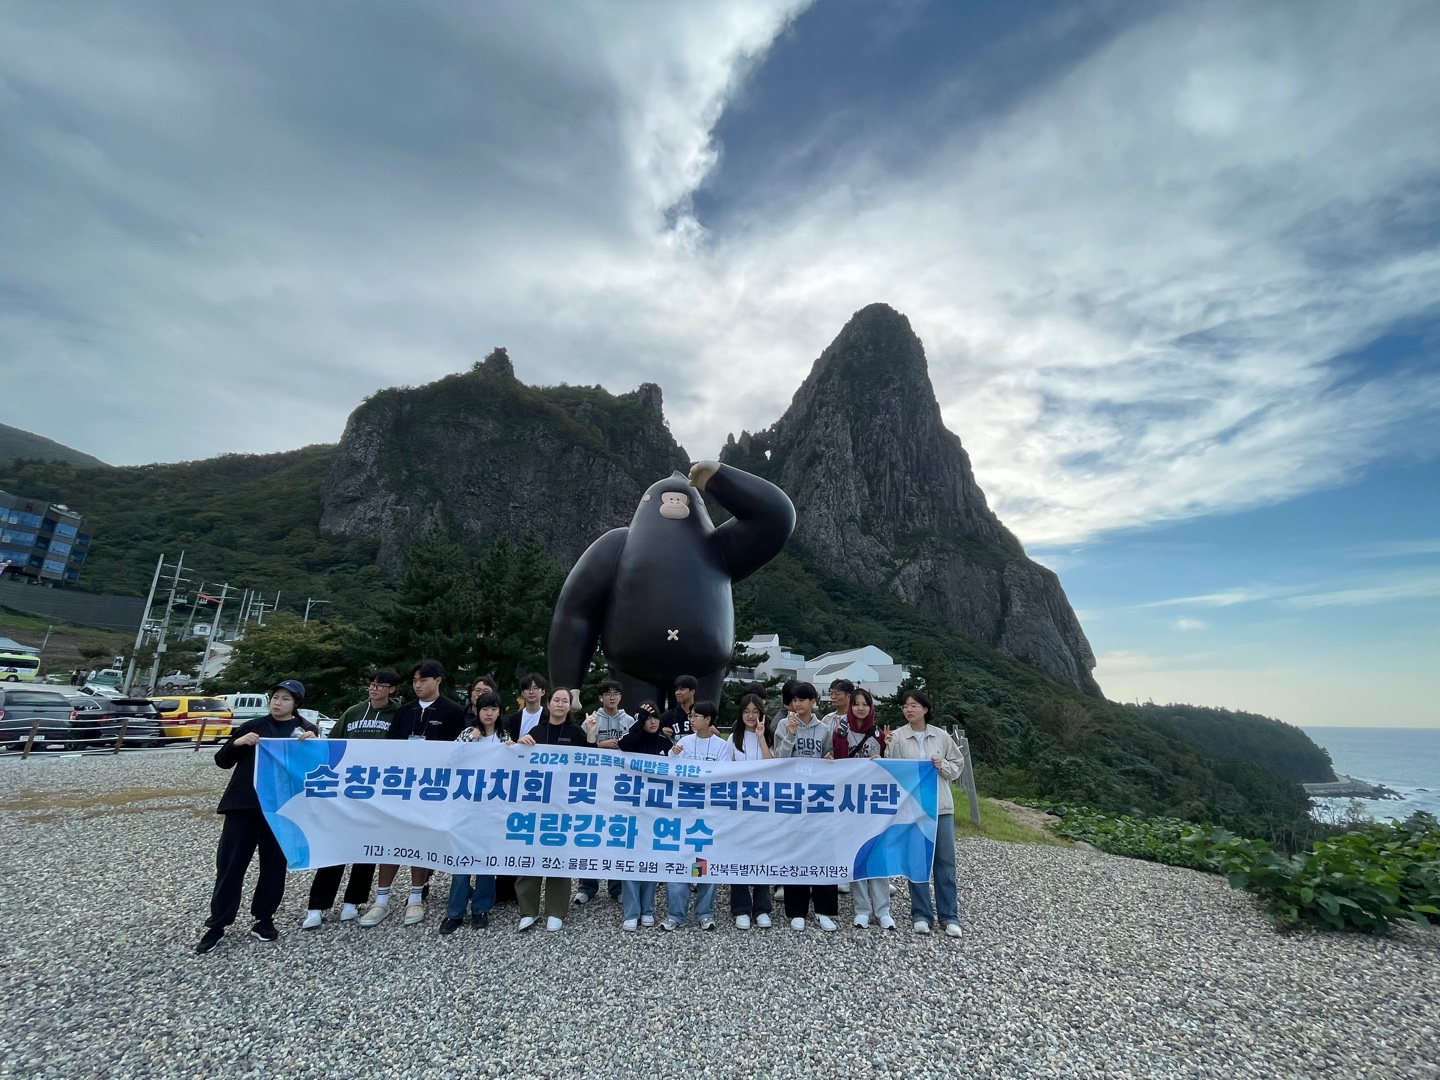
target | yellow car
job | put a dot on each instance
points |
(182, 717)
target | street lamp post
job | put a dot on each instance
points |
(308, 605)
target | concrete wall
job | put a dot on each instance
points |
(87, 609)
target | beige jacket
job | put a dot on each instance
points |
(938, 744)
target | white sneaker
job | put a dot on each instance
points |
(887, 923)
(707, 923)
(647, 920)
(630, 925)
(526, 922)
(552, 924)
(414, 913)
(669, 926)
(377, 914)
(313, 919)
(845, 887)
(952, 929)
(779, 892)
(742, 922)
(797, 925)
(826, 923)
(921, 926)
(862, 921)
(582, 898)
(762, 921)
(892, 888)
(349, 913)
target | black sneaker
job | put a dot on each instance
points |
(264, 931)
(210, 940)
(449, 926)
(481, 921)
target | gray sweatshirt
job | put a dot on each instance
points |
(812, 740)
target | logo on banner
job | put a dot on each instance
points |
(699, 868)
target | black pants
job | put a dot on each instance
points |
(797, 900)
(244, 832)
(327, 884)
(751, 900)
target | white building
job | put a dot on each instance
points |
(866, 666)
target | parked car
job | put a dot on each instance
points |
(100, 690)
(248, 706)
(176, 680)
(111, 677)
(141, 721)
(181, 717)
(99, 721)
(320, 720)
(19, 709)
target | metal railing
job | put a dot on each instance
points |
(45, 733)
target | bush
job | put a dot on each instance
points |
(1362, 880)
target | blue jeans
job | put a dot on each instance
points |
(460, 895)
(638, 898)
(678, 904)
(591, 887)
(945, 890)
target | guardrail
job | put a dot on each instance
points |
(45, 734)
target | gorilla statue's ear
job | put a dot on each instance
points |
(678, 475)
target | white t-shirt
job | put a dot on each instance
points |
(752, 751)
(529, 721)
(710, 748)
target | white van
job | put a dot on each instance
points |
(247, 706)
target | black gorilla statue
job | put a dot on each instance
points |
(656, 595)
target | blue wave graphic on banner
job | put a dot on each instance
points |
(277, 784)
(921, 780)
(900, 850)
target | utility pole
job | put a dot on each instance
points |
(241, 611)
(308, 605)
(165, 628)
(214, 629)
(193, 608)
(144, 621)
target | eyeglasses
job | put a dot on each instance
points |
(381, 686)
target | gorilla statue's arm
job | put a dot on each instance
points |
(763, 517)
(580, 611)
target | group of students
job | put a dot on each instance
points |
(686, 730)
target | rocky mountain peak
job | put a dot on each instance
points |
(484, 456)
(885, 495)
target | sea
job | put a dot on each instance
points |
(1406, 760)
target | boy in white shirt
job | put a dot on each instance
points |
(702, 744)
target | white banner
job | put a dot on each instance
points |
(564, 812)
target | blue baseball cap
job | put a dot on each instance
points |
(294, 687)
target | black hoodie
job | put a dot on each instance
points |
(240, 792)
(639, 741)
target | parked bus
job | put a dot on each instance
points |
(18, 667)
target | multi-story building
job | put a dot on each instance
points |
(41, 540)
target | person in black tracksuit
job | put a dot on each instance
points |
(245, 830)
(435, 718)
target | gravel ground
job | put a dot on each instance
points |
(1073, 964)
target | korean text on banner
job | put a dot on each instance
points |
(561, 812)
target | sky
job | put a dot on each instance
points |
(1176, 267)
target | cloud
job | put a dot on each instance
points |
(1133, 282)
(1247, 594)
(1406, 589)
(1395, 549)
(1190, 624)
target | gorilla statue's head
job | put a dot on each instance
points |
(672, 503)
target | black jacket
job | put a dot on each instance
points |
(567, 734)
(678, 720)
(639, 741)
(511, 723)
(240, 792)
(443, 721)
